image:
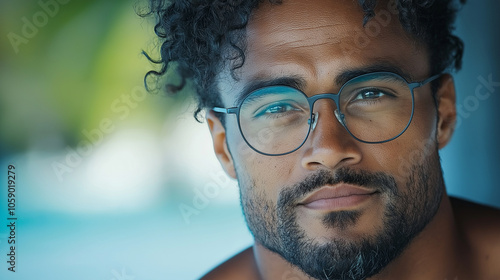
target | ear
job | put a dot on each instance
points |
(220, 145)
(447, 114)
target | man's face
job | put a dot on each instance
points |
(341, 237)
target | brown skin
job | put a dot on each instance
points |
(308, 40)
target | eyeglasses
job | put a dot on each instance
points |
(374, 108)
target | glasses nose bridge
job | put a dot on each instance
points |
(331, 96)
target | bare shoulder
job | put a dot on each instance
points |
(480, 226)
(240, 267)
(477, 219)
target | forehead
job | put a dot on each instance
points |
(317, 40)
(294, 22)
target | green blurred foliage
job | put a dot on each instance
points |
(66, 75)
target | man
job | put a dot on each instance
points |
(330, 114)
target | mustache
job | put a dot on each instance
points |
(377, 181)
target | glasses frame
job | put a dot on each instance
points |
(332, 96)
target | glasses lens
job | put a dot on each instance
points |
(274, 120)
(376, 107)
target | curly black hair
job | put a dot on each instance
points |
(199, 37)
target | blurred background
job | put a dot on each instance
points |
(116, 183)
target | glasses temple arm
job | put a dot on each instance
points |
(232, 110)
(430, 79)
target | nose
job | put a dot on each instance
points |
(329, 145)
(314, 120)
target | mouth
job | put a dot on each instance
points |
(338, 197)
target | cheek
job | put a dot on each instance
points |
(265, 173)
(414, 146)
(422, 128)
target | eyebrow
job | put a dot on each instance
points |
(300, 82)
(349, 74)
(291, 81)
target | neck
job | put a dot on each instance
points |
(438, 252)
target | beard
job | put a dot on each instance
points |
(406, 213)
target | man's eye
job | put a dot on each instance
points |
(277, 110)
(369, 94)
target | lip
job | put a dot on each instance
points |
(337, 197)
